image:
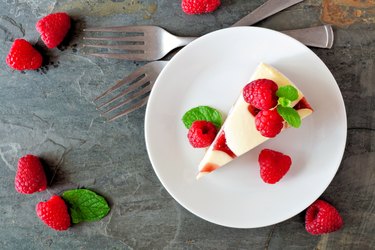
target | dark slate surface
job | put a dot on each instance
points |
(49, 112)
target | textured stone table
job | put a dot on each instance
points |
(49, 112)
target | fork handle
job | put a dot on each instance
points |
(267, 9)
(319, 36)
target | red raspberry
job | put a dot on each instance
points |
(202, 134)
(30, 176)
(23, 56)
(302, 104)
(269, 123)
(53, 28)
(192, 7)
(54, 213)
(253, 110)
(261, 94)
(221, 144)
(321, 218)
(273, 165)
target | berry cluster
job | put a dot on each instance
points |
(72, 206)
(261, 96)
(52, 28)
(321, 217)
(31, 178)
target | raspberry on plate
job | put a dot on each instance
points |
(30, 176)
(273, 165)
(54, 213)
(201, 134)
(192, 7)
(321, 218)
(269, 123)
(261, 94)
(23, 56)
(221, 145)
(53, 28)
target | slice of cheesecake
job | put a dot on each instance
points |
(238, 134)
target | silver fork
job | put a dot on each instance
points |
(141, 81)
(143, 43)
(149, 43)
(135, 88)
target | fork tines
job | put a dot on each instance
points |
(129, 93)
(131, 39)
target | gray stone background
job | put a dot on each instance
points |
(49, 113)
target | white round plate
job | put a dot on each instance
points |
(211, 71)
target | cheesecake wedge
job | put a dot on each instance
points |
(238, 134)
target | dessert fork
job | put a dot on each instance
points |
(135, 88)
(149, 43)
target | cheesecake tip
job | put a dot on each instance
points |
(200, 174)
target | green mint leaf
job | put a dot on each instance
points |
(284, 102)
(202, 113)
(290, 115)
(85, 205)
(289, 92)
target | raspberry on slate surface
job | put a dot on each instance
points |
(261, 94)
(201, 134)
(269, 123)
(23, 56)
(321, 218)
(273, 165)
(30, 176)
(53, 28)
(192, 7)
(54, 213)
